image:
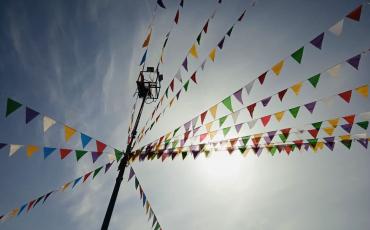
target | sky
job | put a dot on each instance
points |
(77, 62)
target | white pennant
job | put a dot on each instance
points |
(251, 123)
(337, 28)
(334, 71)
(365, 116)
(178, 75)
(48, 122)
(235, 116)
(203, 64)
(14, 148)
(249, 87)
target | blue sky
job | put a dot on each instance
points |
(77, 62)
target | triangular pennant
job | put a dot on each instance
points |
(194, 77)
(95, 156)
(177, 16)
(347, 127)
(108, 166)
(100, 146)
(278, 67)
(346, 96)
(185, 64)
(213, 111)
(238, 127)
(2, 145)
(14, 148)
(31, 149)
(238, 95)
(279, 115)
(178, 75)
(297, 55)
(262, 77)
(225, 131)
(230, 31)
(227, 103)
(235, 116)
(337, 28)
(251, 123)
(364, 142)
(199, 37)
(317, 41)
(355, 14)
(160, 3)
(85, 139)
(203, 116)
(30, 114)
(265, 120)
(334, 71)
(118, 154)
(48, 151)
(281, 94)
(212, 54)
(203, 136)
(317, 125)
(203, 64)
(221, 43)
(86, 176)
(349, 118)
(209, 126)
(76, 181)
(333, 122)
(297, 88)
(80, 154)
(329, 130)
(205, 27)
(131, 174)
(68, 132)
(354, 61)
(143, 58)
(222, 120)
(271, 135)
(251, 108)
(249, 87)
(186, 85)
(363, 90)
(96, 171)
(310, 106)
(363, 124)
(241, 16)
(314, 80)
(11, 106)
(347, 143)
(47, 123)
(172, 84)
(193, 51)
(265, 101)
(147, 39)
(294, 111)
(64, 153)
(245, 140)
(313, 132)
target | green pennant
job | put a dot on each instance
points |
(136, 183)
(96, 172)
(166, 93)
(199, 37)
(222, 120)
(297, 55)
(227, 103)
(226, 130)
(80, 154)
(317, 125)
(283, 137)
(245, 140)
(151, 126)
(242, 149)
(363, 124)
(184, 154)
(157, 227)
(11, 106)
(174, 132)
(294, 111)
(347, 143)
(174, 143)
(273, 150)
(293, 146)
(314, 80)
(313, 142)
(118, 154)
(186, 85)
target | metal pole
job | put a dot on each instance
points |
(121, 169)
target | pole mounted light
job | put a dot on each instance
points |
(148, 88)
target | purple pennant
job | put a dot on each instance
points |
(182, 142)
(185, 64)
(267, 140)
(265, 101)
(306, 146)
(95, 155)
(364, 142)
(187, 125)
(238, 95)
(330, 145)
(329, 139)
(107, 166)
(347, 127)
(2, 145)
(317, 42)
(310, 106)
(271, 134)
(196, 130)
(178, 95)
(354, 61)
(238, 127)
(30, 114)
(131, 174)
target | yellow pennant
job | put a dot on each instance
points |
(297, 88)
(147, 39)
(209, 126)
(363, 90)
(14, 212)
(212, 54)
(65, 186)
(334, 122)
(213, 111)
(279, 115)
(171, 102)
(193, 51)
(212, 134)
(278, 67)
(31, 149)
(329, 130)
(68, 132)
(345, 137)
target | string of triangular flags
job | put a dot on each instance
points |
(193, 77)
(315, 144)
(28, 206)
(48, 122)
(268, 136)
(277, 68)
(32, 149)
(148, 207)
(294, 111)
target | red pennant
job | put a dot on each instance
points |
(64, 153)
(261, 78)
(177, 17)
(346, 95)
(265, 120)
(100, 146)
(256, 140)
(194, 77)
(356, 14)
(30, 205)
(313, 132)
(186, 136)
(298, 143)
(86, 176)
(287, 149)
(202, 137)
(281, 94)
(172, 85)
(350, 118)
(203, 116)
(285, 132)
(251, 109)
(233, 141)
